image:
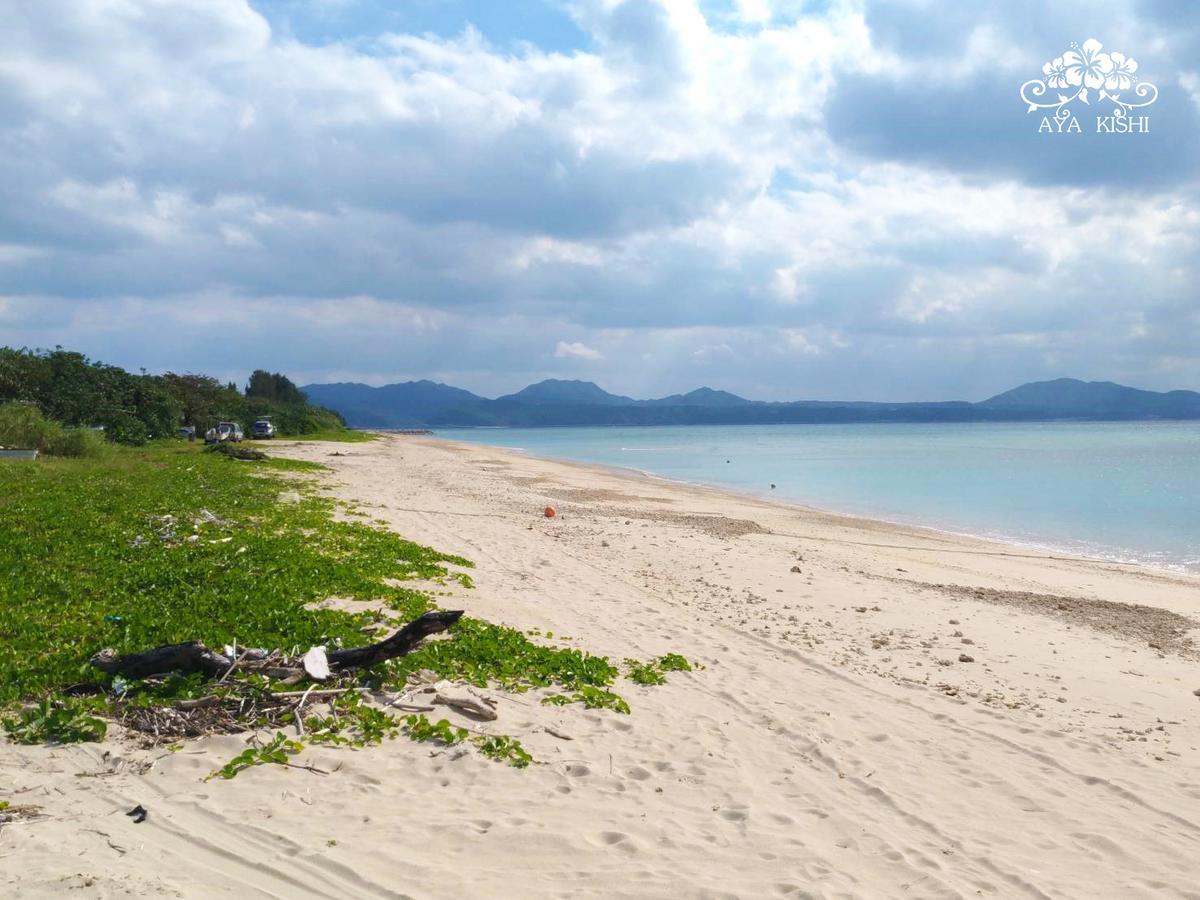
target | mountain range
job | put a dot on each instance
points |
(426, 404)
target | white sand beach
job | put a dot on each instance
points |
(882, 712)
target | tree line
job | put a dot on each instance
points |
(69, 388)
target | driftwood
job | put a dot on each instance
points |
(427, 691)
(402, 642)
(243, 453)
(316, 664)
(477, 708)
(193, 656)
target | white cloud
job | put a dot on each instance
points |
(179, 162)
(576, 350)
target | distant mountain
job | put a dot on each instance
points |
(406, 405)
(552, 391)
(556, 402)
(700, 397)
(1069, 398)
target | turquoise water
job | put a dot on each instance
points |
(1121, 491)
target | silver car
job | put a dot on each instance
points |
(224, 432)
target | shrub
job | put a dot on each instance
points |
(22, 425)
(77, 442)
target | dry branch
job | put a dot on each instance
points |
(471, 706)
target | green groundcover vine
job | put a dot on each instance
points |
(164, 543)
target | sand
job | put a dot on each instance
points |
(883, 712)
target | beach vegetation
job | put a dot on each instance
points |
(419, 728)
(23, 425)
(70, 389)
(502, 748)
(654, 672)
(673, 662)
(163, 544)
(497, 747)
(643, 673)
(276, 751)
(60, 721)
(591, 697)
(353, 723)
(485, 653)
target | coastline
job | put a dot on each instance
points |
(1049, 550)
(881, 711)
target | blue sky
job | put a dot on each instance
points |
(837, 199)
(547, 24)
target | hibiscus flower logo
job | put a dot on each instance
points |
(1086, 65)
(1121, 75)
(1056, 73)
(1085, 68)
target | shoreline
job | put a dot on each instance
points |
(1039, 551)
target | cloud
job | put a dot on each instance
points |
(576, 350)
(845, 198)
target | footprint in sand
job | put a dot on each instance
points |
(617, 840)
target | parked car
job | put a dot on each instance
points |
(224, 432)
(187, 432)
(262, 429)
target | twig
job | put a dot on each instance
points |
(311, 768)
(323, 693)
(236, 659)
(198, 703)
(308, 768)
(298, 713)
(558, 734)
(116, 847)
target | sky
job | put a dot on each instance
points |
(844, 199)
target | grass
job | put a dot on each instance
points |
(167, 543)
(336, 435)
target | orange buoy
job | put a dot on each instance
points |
(551, 512)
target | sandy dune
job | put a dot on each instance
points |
(909, 714)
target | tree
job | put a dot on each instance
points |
(273, 386)
(73, 390)
(203, 400)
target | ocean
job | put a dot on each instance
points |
(1127, 492)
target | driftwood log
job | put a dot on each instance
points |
(193, 656)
